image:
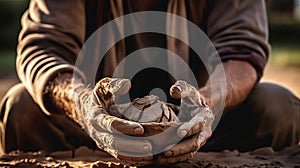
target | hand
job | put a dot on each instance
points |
(109, 131)
(197, 120)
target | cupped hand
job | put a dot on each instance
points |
(196, 118)
(112, 134)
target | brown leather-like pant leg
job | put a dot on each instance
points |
(25, 127)
(270, 116)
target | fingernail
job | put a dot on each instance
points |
(183, 133)
(179, 88)
(168, 153)
(137, 131)
(146, 148)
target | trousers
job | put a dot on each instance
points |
(270, 116)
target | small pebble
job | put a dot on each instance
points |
(267, 151)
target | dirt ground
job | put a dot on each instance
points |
(85, 158)
(264, 157)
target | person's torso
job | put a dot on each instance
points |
(100, 12)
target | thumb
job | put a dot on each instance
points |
(179, 90)
(120, 86)
(112, 86)
(107, 89)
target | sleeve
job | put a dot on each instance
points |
(239, 31)
(52, 34)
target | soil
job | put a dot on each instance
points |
(84, 157)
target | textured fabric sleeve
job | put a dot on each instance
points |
(52, 34)
(239, 31)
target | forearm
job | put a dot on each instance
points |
(49, 42)
(62, 93)
(240, 79)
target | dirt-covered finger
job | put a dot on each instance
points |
(116, 144)
(182, 89)
(116, 125)
(120, 86)
(180, 158)
(134, 158)
(107, 88)
(191, 127)
(178, 92)
(185, 146)
(136, 146)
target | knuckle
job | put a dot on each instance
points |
(113, 126)
(191, 155)
(181, 150)
(195, 128)
(196, 146)
(177, 150)
(187, 126)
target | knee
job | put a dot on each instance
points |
(14, 103)
(277, 110)
(272, 100)
(17, 111)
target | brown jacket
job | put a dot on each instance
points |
(55, 30)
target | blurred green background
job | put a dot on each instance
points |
(284, 21)
(10, 14)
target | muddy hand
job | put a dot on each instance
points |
(115, 135)
(128, 150)
(197, 120)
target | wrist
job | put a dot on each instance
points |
(211, 98)
(206, 96)
(60, 94)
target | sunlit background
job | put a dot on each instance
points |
(283, 67)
